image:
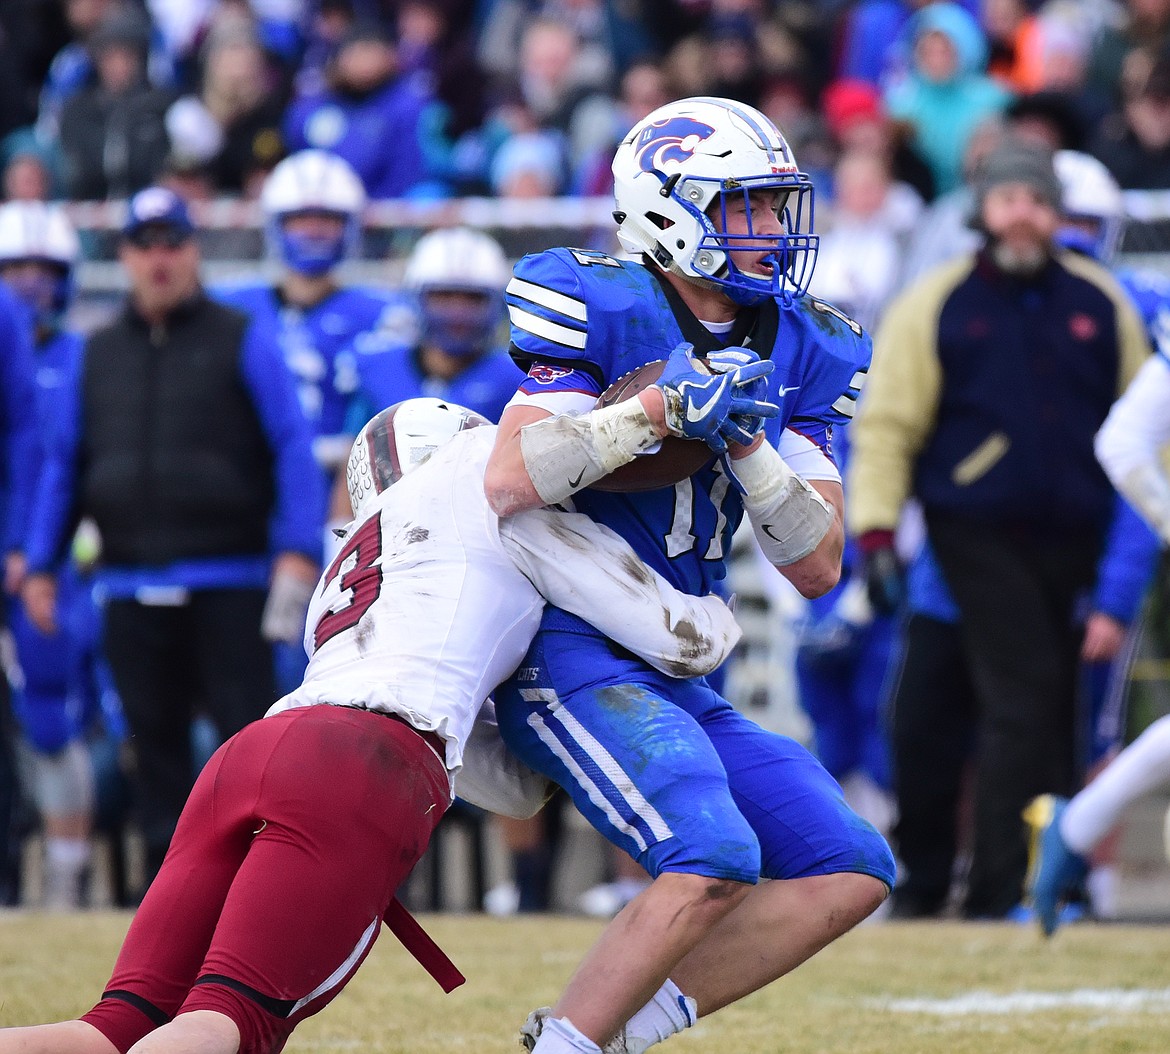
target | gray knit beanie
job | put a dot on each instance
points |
(1015, 161)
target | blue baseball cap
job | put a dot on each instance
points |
(157, 206)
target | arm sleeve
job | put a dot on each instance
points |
(54, 511)
(590, 571)
(897, 413)
(300, 488)
(21, 442)
(493, 778)
(1126, 566)
(1130, 442)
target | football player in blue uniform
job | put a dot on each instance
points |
(56, 696)
(456, 278)
(709, 195)
(312, 203)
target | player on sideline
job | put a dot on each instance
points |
(312, 203)
(302, 826)
(54, 696)
(456, 277)
(709, 195)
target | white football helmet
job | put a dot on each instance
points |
(459, 259)
(312, 181)
(688, 155)
(1088, 191)
(34, 231)
(397, 440)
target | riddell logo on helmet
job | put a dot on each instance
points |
(783, 169)
(671, 141)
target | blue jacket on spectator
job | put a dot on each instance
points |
(378, 134)
(293, 526)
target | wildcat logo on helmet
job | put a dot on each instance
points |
(673, 140)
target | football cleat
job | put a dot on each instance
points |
(531, 1029)
(1054, 870)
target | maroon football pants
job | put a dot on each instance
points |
(290, 849)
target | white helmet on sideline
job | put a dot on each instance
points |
(399, 439)
(1088, 191)
(40, 233)
(312, 181)
(458, 260)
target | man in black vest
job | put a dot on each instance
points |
(181, 436)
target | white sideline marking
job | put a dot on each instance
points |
(1116, 999)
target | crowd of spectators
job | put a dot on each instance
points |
(432, 99)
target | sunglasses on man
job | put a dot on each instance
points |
(152, 236)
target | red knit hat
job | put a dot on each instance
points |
(848, 101)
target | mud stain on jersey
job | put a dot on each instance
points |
(694, 647)
(417, 534)
(637, 570)
(363, 635)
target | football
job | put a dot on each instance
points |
(675, 459)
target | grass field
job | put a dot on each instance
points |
(943, 988)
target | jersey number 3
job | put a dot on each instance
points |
(363, 581)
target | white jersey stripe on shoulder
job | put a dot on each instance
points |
(858, 380)
(550, 298)
(845, 405)
(546, 330)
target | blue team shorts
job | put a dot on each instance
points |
(670, 772)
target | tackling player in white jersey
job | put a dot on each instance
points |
(302, 826)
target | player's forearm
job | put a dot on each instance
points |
(1130, 442)
(799, 531)
(816, 574)
(542, 460)
(493, 778)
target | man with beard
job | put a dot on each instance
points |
(991, 376)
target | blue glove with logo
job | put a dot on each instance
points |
(699, 403)
(743, 427)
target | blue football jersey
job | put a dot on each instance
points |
(389, 372)
(581, 319)
(317, 343)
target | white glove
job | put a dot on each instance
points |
(285, 609)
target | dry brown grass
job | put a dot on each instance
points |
(1108, 989)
